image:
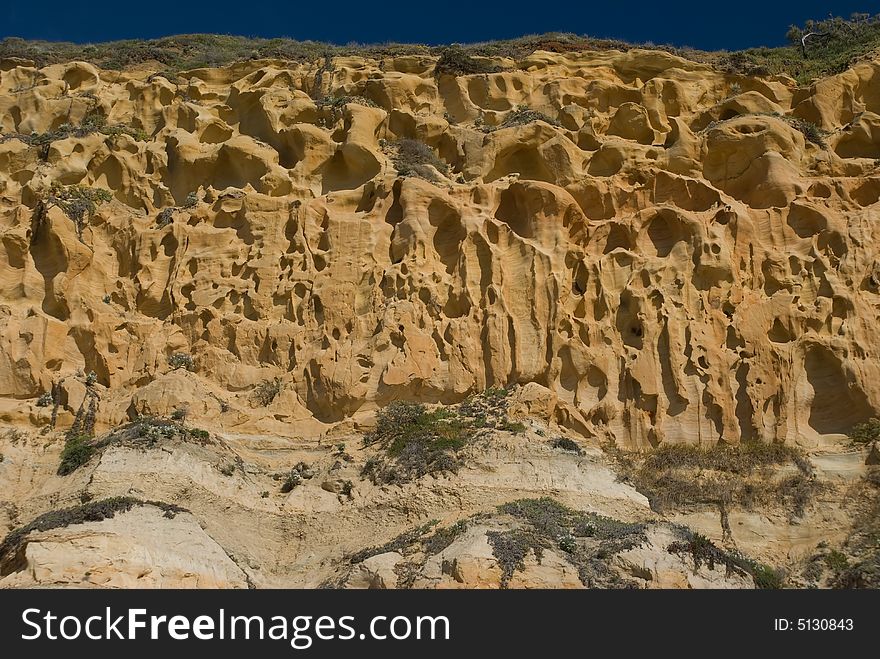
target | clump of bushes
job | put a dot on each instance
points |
(721, 475)
(455, 61)
(416, 442)
(155, 430)
(165, 217)
(93, 122)
(811, 132)
(415, 158)
(510, 549)
(334, 106)
(445, 536)
(77, 451)
(266, 391)
(95, 511)
(80, 444)
(79, 441)
(181, 360)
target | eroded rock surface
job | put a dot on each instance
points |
(666, 258)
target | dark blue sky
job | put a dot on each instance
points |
(711, 24)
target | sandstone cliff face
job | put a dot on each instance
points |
(667, 259)
(673, 261)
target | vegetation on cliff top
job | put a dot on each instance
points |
(816, 49)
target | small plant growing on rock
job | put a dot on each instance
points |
(180, 414)
(521, 116)
(566, 444)
(165, 217)
(811, 132)
(266, 391)
(418, 442)
(181, 360)
(77, 451)
(45, 399)
(78, 202)
(91, 378)
(455, 61)
(415, 158)
(301, 472)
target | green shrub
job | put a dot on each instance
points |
(165, 217)
(811, 132)
(266, 391)
(417, 441)
(297, 475)
(77, 451)
(443, 537)
(566, 444)
(45, 399)
(181, 360)
(520, 117)
(415, 158)
(455, 61)
(78, 202)
(702, 550)
(836, 560)
(510, 549)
